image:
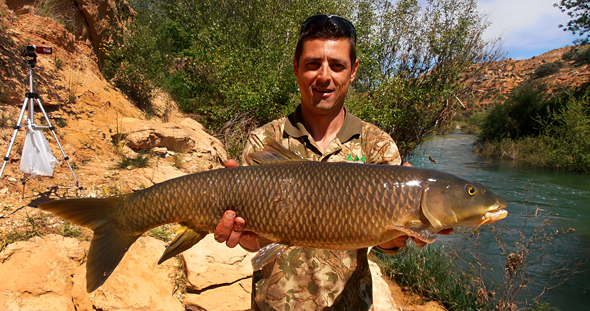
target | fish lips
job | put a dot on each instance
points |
(497, 212)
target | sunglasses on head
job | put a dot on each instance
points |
(338, 21)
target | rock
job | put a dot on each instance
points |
(36, 275)
(138, 282)
(102, 16)
(210, 263)
(48, 274)
(236, 296)
(179, 135)
(159, 174)
(382, 298)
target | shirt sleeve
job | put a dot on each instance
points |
(379, 146)
(258, 137)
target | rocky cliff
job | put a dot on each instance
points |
(555, 70)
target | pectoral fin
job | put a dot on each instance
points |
(185, 239)
(275, 153)
(267, 254)
(424, 233)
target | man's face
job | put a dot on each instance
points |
(324, 74)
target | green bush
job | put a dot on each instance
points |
(546, 70)
(579, 54)
(561, 141)
(519, 115)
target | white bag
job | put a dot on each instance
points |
(37, 159)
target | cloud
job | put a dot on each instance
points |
(528, 27)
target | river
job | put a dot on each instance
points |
(565, 196)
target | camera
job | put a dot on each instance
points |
(30, 50)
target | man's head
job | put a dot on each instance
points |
(325, 64)
(328, 27)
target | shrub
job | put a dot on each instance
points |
(518, 116)
(579, 54)
(546, 70)
(561, 141)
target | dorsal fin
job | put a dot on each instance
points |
(274, 153)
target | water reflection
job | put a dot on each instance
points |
(566, 196)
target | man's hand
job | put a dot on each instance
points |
(230, 229)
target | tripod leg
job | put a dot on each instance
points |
(52, 128)
(24, 183)
(16, 128)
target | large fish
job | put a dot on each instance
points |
(288, 201)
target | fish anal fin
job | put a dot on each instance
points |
(422, 232)
(185, 239)
(274, 153)
(267, 254)
(264, 242)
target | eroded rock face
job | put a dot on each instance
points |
(181, 135)
(48, 274)
(210, 263)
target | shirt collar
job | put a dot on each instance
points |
(351, 127)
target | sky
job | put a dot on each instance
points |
(528, 27)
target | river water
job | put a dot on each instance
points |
(564, 196)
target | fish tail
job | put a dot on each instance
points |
(108, 245)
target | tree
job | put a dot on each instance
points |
(229, 62)
(579, 11)
(420, 57)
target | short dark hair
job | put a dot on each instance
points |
(327, 31)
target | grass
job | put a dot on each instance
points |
(164, 233)
(59, 64)
(36, 226)
(430, 273)
(39, 225)
(140, 160)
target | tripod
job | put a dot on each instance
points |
(30, 99)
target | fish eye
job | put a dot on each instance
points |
(471, 190)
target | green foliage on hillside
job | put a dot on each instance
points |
(579, 54)
(230, 63)
(551, 132)
(546, 70)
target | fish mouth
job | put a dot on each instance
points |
(497, 212)
(492, 217)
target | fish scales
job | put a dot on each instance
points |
(312, 204)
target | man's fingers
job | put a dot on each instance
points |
(419, 242)
(236, 233)
(446, 231)
(224, 228)
(231, 163)
(400, 241)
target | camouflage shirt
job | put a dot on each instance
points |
(314, 279)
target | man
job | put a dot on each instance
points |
(320, 129)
